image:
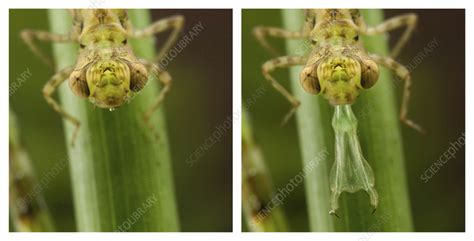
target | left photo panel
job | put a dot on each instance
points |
(120, 120)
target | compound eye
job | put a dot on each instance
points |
(78, 83)
(138, 76)
(369, 73)
(309, 80)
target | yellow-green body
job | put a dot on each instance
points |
(338, 66)
(107, 71)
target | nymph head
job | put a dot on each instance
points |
(109, 82)
(339, 77)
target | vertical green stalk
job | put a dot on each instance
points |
(381, 143)
(314, 130)
(261, 211)
(121, 177)
(28, 210)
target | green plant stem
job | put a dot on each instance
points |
(28, 209)
(381, 143)
(257, 188)
(314, 130)
(121, 177)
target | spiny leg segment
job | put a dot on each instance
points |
(165, 78)
(49, 89)
(261, 33)
(283, 62)
(402, 73)
(175, 23)
(29, 37)
(407, 20)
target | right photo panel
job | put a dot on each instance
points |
(353, 120)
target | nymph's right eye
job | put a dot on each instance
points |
(369, 73)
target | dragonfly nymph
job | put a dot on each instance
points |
(107, 72)
(339, 68)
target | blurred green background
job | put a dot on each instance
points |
(200, 100)
(438, 103)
